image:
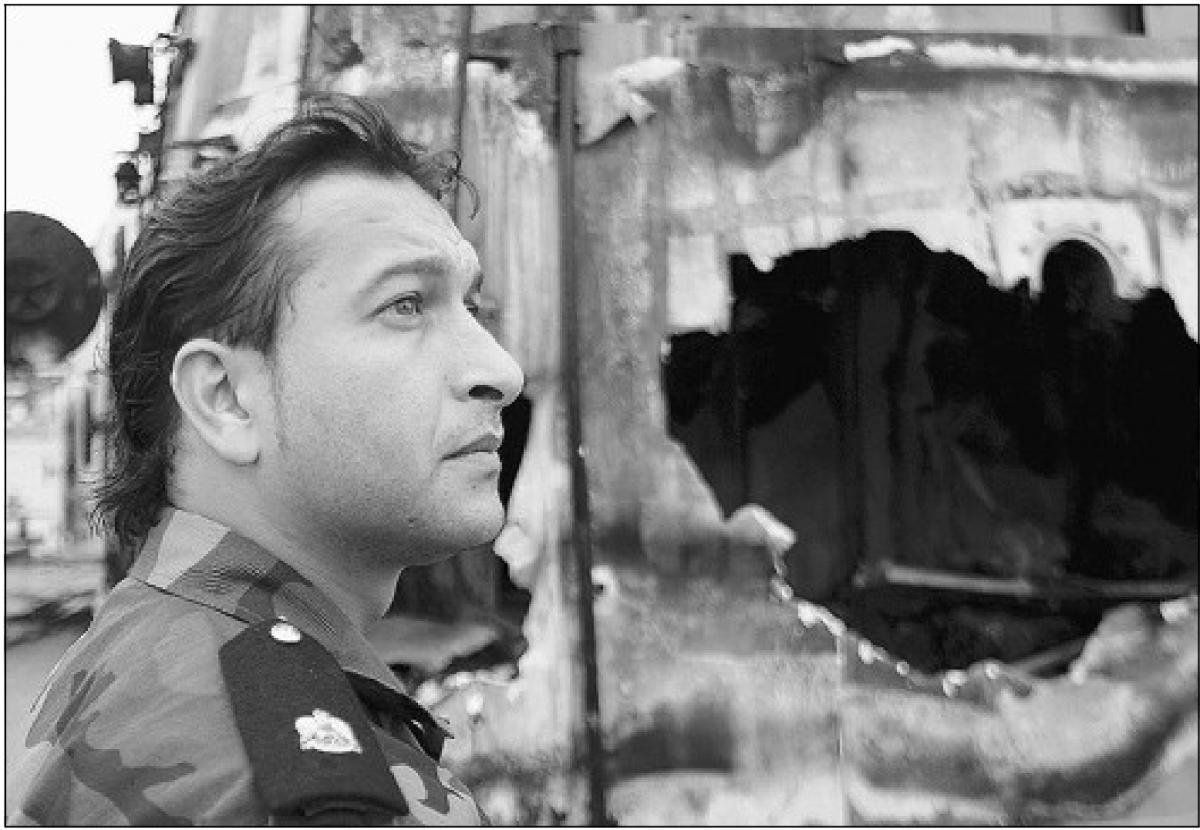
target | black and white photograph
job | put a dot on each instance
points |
(601, 415)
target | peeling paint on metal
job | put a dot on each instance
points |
(516, 232)
(607, 101)
(953, 168)
(965, 55)
(878, 48)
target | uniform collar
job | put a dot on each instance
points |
(200, 560)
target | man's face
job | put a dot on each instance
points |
(387, 389)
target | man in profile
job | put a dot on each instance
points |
(304, 405)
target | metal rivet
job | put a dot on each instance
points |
(866, 653)
(285, 632)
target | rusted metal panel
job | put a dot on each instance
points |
(510, 157)
(1046, 20)
(1171, 21)
(243, 78)
(705, 144)
(900, 146)
(996, 745)
(403, 57)
(810, 154)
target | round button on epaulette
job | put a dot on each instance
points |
(285, 632)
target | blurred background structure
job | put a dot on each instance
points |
(855, 478)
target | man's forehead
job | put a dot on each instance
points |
(435, 256)
(463, 258)
(353, 208)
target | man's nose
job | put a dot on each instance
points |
(489, 373)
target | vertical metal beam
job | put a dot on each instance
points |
(565, 42)
(306, 69)
(1135, 19)
(465, 23)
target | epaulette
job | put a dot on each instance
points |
(312, 753)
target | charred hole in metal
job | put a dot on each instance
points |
(891, 406)
(476, 587)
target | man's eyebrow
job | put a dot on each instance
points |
(421, 266)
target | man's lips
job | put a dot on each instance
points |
(487, 443)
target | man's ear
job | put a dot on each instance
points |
(219, 391)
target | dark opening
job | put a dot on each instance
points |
(893, 408)
(512, 600)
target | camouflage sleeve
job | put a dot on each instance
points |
(435, 796)
(139, 735)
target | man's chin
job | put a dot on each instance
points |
(466, 538)
(433, 556)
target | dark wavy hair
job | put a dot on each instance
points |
(210, 262)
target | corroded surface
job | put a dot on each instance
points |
(723, 709)
(991, 745)
(717, 705)
(407, 60)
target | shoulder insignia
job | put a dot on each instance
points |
(326, 733)
(308, 739)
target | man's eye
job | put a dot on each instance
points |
(474, 304)
(406, 306)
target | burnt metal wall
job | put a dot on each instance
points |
(727, 143)
(1048, 20)
(742, 150)
(721, 144)
(242, 76)
(403, 57)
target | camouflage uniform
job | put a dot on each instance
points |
(135, 725)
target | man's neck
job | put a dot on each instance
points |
(361, 587)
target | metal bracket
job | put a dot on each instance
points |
(564, 39)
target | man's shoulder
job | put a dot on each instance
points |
(146, 654)
(137, 712)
